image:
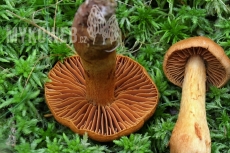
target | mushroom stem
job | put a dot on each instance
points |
(100, 79)
(191, 132)
(95, 43)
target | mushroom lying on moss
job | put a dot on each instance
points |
(192, 63)
(99, 92)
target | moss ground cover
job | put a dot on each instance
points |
(35, 34)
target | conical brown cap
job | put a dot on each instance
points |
(136, 98)
(216, 62)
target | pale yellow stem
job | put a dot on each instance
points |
(191, 132)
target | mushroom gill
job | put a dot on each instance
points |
(136, 97)
(216, 73)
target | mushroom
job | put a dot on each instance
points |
(98, 92)
(191, 64)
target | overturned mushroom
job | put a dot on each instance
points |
(99, 92)
(192, 63)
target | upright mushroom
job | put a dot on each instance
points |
(99, 92)
(192, 63)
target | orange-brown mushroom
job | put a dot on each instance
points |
(99, 92)
(191, 64)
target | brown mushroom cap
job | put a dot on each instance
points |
(136, 98)
(216, 62)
